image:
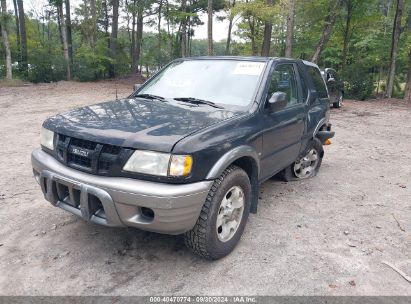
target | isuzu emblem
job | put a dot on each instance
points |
(80, 152)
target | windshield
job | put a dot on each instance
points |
(226, 82)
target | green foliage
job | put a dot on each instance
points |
(92, 64)
(366, 33)
(45, 67)
(358, 83)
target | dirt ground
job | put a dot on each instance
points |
(324, 236)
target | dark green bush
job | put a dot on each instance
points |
(45, 67)
(91, 64)
(358, 83)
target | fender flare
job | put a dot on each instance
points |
(318, 127)
(231, 156)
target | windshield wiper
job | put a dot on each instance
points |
(150, 96)
(198, 101)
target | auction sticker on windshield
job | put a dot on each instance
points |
(249, 68)
(178, 83)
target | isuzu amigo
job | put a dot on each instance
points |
(187, 151)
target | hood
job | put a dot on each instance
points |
(137, 123)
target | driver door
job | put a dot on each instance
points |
(283, 129)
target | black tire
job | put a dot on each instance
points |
(338, 104)
(203, 239)
(288, 174)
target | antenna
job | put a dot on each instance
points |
(116, 92)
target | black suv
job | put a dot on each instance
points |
(187, 151)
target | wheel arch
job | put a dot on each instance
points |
(319, 126)
(245, 157)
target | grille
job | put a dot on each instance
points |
(84, 144)
(104, 165)
(78, 160)
(86, 155)
(111, 149)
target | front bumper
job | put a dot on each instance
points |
(118, 201)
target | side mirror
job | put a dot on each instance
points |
(278, 101)
(137, 86)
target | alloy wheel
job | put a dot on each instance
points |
(306, 166)
(230, 213)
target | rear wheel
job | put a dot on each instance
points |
(306, 166)
(223, 217)
(338, 104)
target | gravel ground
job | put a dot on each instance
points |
(324, 236)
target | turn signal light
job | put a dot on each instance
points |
(327, 142)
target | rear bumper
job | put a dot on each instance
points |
(117, 201)
(325, 133)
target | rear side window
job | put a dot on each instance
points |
(303, 87)
(318, 82)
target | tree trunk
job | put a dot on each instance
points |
(347, 32)
(113, 39)
(64, 37)
(139, 36)
(133, 39)
(184, 29)
(253, 34)
(59, 27)
(6, 44)
(210, 27)
(16, 16)
(329, 23)
(407, 95)
(228, 42)
(190, 37)
(394, 48)
(68, 30)
(23, 36)
(290, 29)
(106, 21)
(169, 38)
(230, 28)
(160, 8)
(128, 21)
(268, 28)
(48, 14)
(93, 13)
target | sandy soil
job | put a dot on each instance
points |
(324, 236)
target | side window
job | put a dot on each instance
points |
(284, 80)
(329, 76)
(332, 74)
(318, 81)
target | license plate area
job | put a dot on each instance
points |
(86, 199)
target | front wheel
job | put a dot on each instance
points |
(223, 217)
(306, 166)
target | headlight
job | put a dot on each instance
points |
(162, 164)
(180, 165)
(148, 162)
(47, 138)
